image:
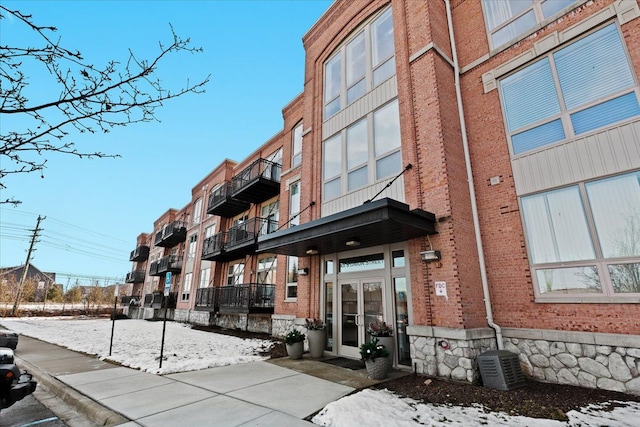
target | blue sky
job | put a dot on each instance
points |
(96, 208)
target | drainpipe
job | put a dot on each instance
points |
(472, 191)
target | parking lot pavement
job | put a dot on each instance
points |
(27, 412)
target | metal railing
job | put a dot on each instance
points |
(176, 227)
(261, 168)
(207, 297)
(170, 263)
(247, 296)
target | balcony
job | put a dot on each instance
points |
(247, 298)
(171, 235)
(141, 253)
(207, 299)
(155, 300)
(153, 269)
(135, 276)
(258, 182)
(238, 241)
(170, 263)
(221, 203)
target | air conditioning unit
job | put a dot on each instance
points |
(500, 369)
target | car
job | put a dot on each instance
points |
(8, 339)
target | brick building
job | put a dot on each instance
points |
(466, 170)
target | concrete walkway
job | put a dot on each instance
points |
(252, 394)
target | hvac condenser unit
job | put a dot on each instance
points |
(500, 369)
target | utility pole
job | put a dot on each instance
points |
(14, 311)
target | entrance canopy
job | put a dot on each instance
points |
(374, 223)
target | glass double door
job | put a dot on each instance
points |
(361, 302)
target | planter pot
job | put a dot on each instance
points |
(295, 350)
(317, 341)
(377, 369)
(389, 344)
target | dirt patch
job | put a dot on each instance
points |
(536, 399)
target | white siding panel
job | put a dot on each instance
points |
(354, 112)
(358, 197)
(613, 150)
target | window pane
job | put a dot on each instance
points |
(538, 136)
(356, 91)
(514, 29)
(292, 291)
(332, 189)
(332, 158)
(615, 204)
(356, 63)
(332, 108)
(625, 278)
(593, 67)
(398, 258)
(551, 7)
(500, 11)
(382, 38)
(294, 203)
(332, 78)
(383, 72)
(529, 95)
(388, 166)
(292, 269)
(358, 178)
(297, 146)
(386, 129)
(600, 115)
(556, 227)
(357, 144)
(577, 280)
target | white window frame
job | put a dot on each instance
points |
(372, 164)
(291, 278)
(564, 116)
(599, 263)
(296, 146)
(193, 245)
(294, 203)
(205, 274)
(235, 274)
(197, 211)
(267, 267)
(335, 101)
(186, 287)
(537, 14)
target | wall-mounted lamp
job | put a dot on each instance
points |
(430, 256)
(312, 251)
(353, 243)
(303, 271)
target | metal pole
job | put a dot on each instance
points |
(16, 304)
(164, 326)
(113, 320)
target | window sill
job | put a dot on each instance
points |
(291, 300)
(596, 299)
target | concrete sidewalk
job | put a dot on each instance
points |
(252, 394)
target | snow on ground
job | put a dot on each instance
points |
(382, 408)
(136, 343)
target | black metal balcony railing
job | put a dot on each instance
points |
(141, 253)
(153, 268)
(171, 235)
(248, 297)
(257, 182)
(155, 300)
(238, 241)
(172, 263)
(135, 276)
(207, 298)
(133, 300)
(221, 203)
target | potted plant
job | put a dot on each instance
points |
(317, 331)
(376, 359)
(294, 341)
(384, 333)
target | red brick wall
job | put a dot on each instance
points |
(502, 233)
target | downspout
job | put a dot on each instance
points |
(472, 191)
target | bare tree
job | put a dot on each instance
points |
(90, 98)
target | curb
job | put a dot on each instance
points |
(91, 409)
